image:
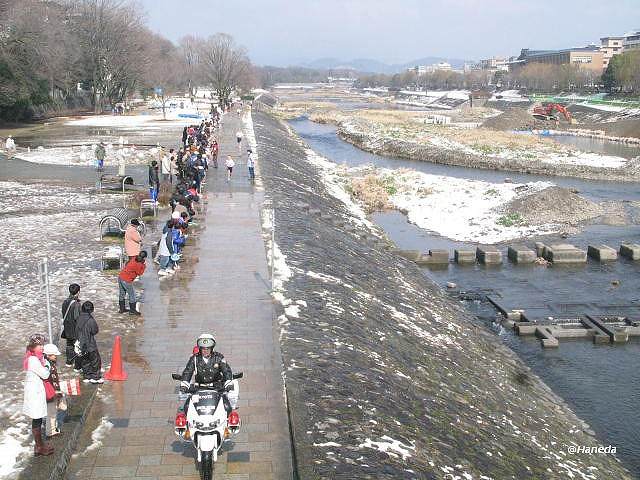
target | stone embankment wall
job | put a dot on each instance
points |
(385, 376)
(431, 153)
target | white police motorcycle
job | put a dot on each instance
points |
(205, 422)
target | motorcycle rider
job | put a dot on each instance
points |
(210, 368)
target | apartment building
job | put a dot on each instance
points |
(590, 57)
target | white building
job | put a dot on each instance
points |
(632, 39)
(422, 69)
(614, 45)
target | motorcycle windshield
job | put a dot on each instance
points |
(207, 402)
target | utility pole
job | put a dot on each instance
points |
(43, 279)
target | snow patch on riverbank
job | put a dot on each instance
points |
(587, 159)
(333, 180)
(464, 210)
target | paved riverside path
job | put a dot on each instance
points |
(222, 288)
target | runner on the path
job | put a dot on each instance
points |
(239, 138)
(229, 164)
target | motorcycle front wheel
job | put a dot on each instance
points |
(206, 466)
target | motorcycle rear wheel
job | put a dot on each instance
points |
(206, 466)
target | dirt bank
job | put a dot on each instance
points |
(360, 135)
(554, 205)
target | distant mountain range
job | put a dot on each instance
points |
(374, 66)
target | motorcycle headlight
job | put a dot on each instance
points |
(214, 424)
(199, 424)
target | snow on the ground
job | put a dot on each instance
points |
(139, 120)
(508, 96)
(389, 446)
(460, 209)
(60, 223)
(14, 447)
(97, 436)
(84, 155)
(334, 182)
(587, 159)
(250, 138)
(448, 144)
(29, 198)
(603, 107)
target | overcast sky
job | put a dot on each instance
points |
(283, 32)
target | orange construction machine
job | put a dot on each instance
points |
(545, 112)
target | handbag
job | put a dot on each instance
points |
(70, 387)
(49, 391)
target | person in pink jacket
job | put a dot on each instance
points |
(35, 398)
(132, 239)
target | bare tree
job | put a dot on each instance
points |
(190, 61)
(224, 64)
(164, 72)
(111, 34)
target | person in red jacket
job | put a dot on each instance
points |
(133, 269)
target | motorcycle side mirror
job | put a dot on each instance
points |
(176, 376)
(238, 375)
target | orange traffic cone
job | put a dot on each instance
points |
(116, 371)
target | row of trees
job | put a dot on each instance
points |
(66, 53)
(622, 75)
(439, 79)
(543, 77)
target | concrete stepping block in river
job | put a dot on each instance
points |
(564, 253)
(521, 254)
(630, 251)
(602, 253)
(488, 255)
(462, 256)
(435, 257)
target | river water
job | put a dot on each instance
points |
(596, 145)
(600, 382)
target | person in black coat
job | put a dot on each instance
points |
(70, 314)
(87, 329)
(154, 181)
